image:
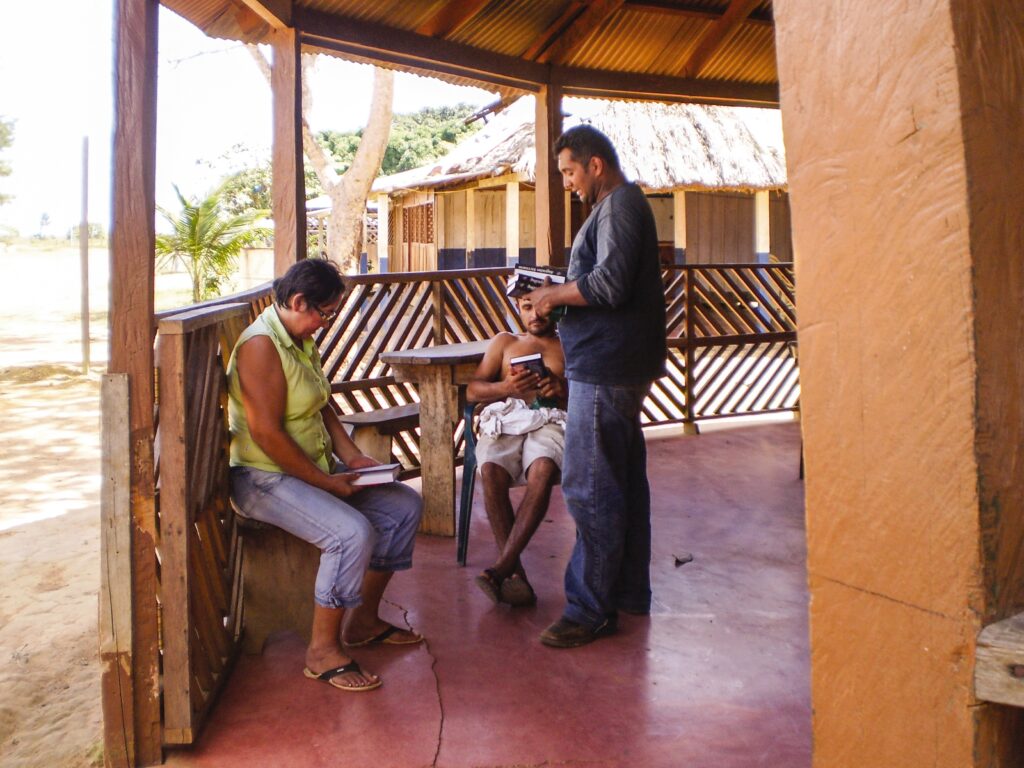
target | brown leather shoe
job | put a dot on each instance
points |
(568, 634)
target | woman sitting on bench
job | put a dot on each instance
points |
(284, 439)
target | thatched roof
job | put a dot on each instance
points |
(663, 147)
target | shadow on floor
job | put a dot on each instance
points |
(717, 676)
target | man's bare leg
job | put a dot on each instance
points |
(540, 478)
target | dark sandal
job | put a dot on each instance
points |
(489, 584)
(328, 676)
(517, 592)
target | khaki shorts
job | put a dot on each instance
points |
(515, 453)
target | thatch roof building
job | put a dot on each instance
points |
(716, 160)
(663, 147)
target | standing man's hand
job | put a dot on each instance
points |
(549, 297)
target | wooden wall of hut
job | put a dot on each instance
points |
(434, 234)
(720, 228)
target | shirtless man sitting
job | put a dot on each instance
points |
(521, 442)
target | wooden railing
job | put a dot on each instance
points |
(731, 339)
(198, 546)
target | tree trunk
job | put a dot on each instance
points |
(349, 191)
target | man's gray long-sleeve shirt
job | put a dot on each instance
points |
(619, 338)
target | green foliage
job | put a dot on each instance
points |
(207, 240)
(6, 140)
(415, 140)
(247, 190)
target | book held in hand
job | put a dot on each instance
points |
(525, 279)
(534, 363)
(382, 473)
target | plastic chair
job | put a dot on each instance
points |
(468, 481)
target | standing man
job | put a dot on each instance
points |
(613, 334)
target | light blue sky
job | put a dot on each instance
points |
(58, 86)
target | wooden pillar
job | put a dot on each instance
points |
(440, 201)
(289, 185)
(901, 155)
(679, 225)
(762, 227)
(383, 233)
(550, 207)
(512, 223)
(132, 717)
(470, 226)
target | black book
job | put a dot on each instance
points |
(525, 279)
(382, 473)
(534, 363)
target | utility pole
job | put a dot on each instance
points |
(83, 247)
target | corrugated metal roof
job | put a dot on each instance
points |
(642, 37)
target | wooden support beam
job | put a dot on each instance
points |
(556, 28)
(679, 226)
(450, 18)
(762, 226)
(383, 43)
(549, 191)
(115, 620)
(132, 255)
(717, 36)
(672, 8)
(470, 227)
(999, 662)
(512, 223)
(383, 234)
(595, 14)
(276, 13)
(289, 183)
(576, 81)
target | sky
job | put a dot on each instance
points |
(58, 88)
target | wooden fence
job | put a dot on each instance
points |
(731, 332)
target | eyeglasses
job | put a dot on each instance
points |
(325, 316)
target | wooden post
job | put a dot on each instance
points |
(83, 248)
(512, 223)
(470, 227)
(175, 504)
(762, 227)
(132, 255)
(115, 619)
(383, 234)
(289, 185)
(679, 225)
(550, 207)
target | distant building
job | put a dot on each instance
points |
(715, 176)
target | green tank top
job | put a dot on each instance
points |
(308, 391)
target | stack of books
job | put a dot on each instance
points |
(526, 278)
(382, 473)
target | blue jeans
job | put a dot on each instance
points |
(604, 482)
(374, 528)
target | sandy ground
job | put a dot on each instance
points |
(50, 711)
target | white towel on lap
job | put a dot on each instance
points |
(514, 417)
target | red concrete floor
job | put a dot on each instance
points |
(716, 677)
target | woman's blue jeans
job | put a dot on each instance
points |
(374, 528)
(604, 482)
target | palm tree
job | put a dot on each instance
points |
(207, 241)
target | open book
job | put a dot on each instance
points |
(534, 363)
(525, 279)
(382, 473)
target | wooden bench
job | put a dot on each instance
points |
(373, 431)
(278, 574)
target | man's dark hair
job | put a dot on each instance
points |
(585, 142)
(317, 279)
